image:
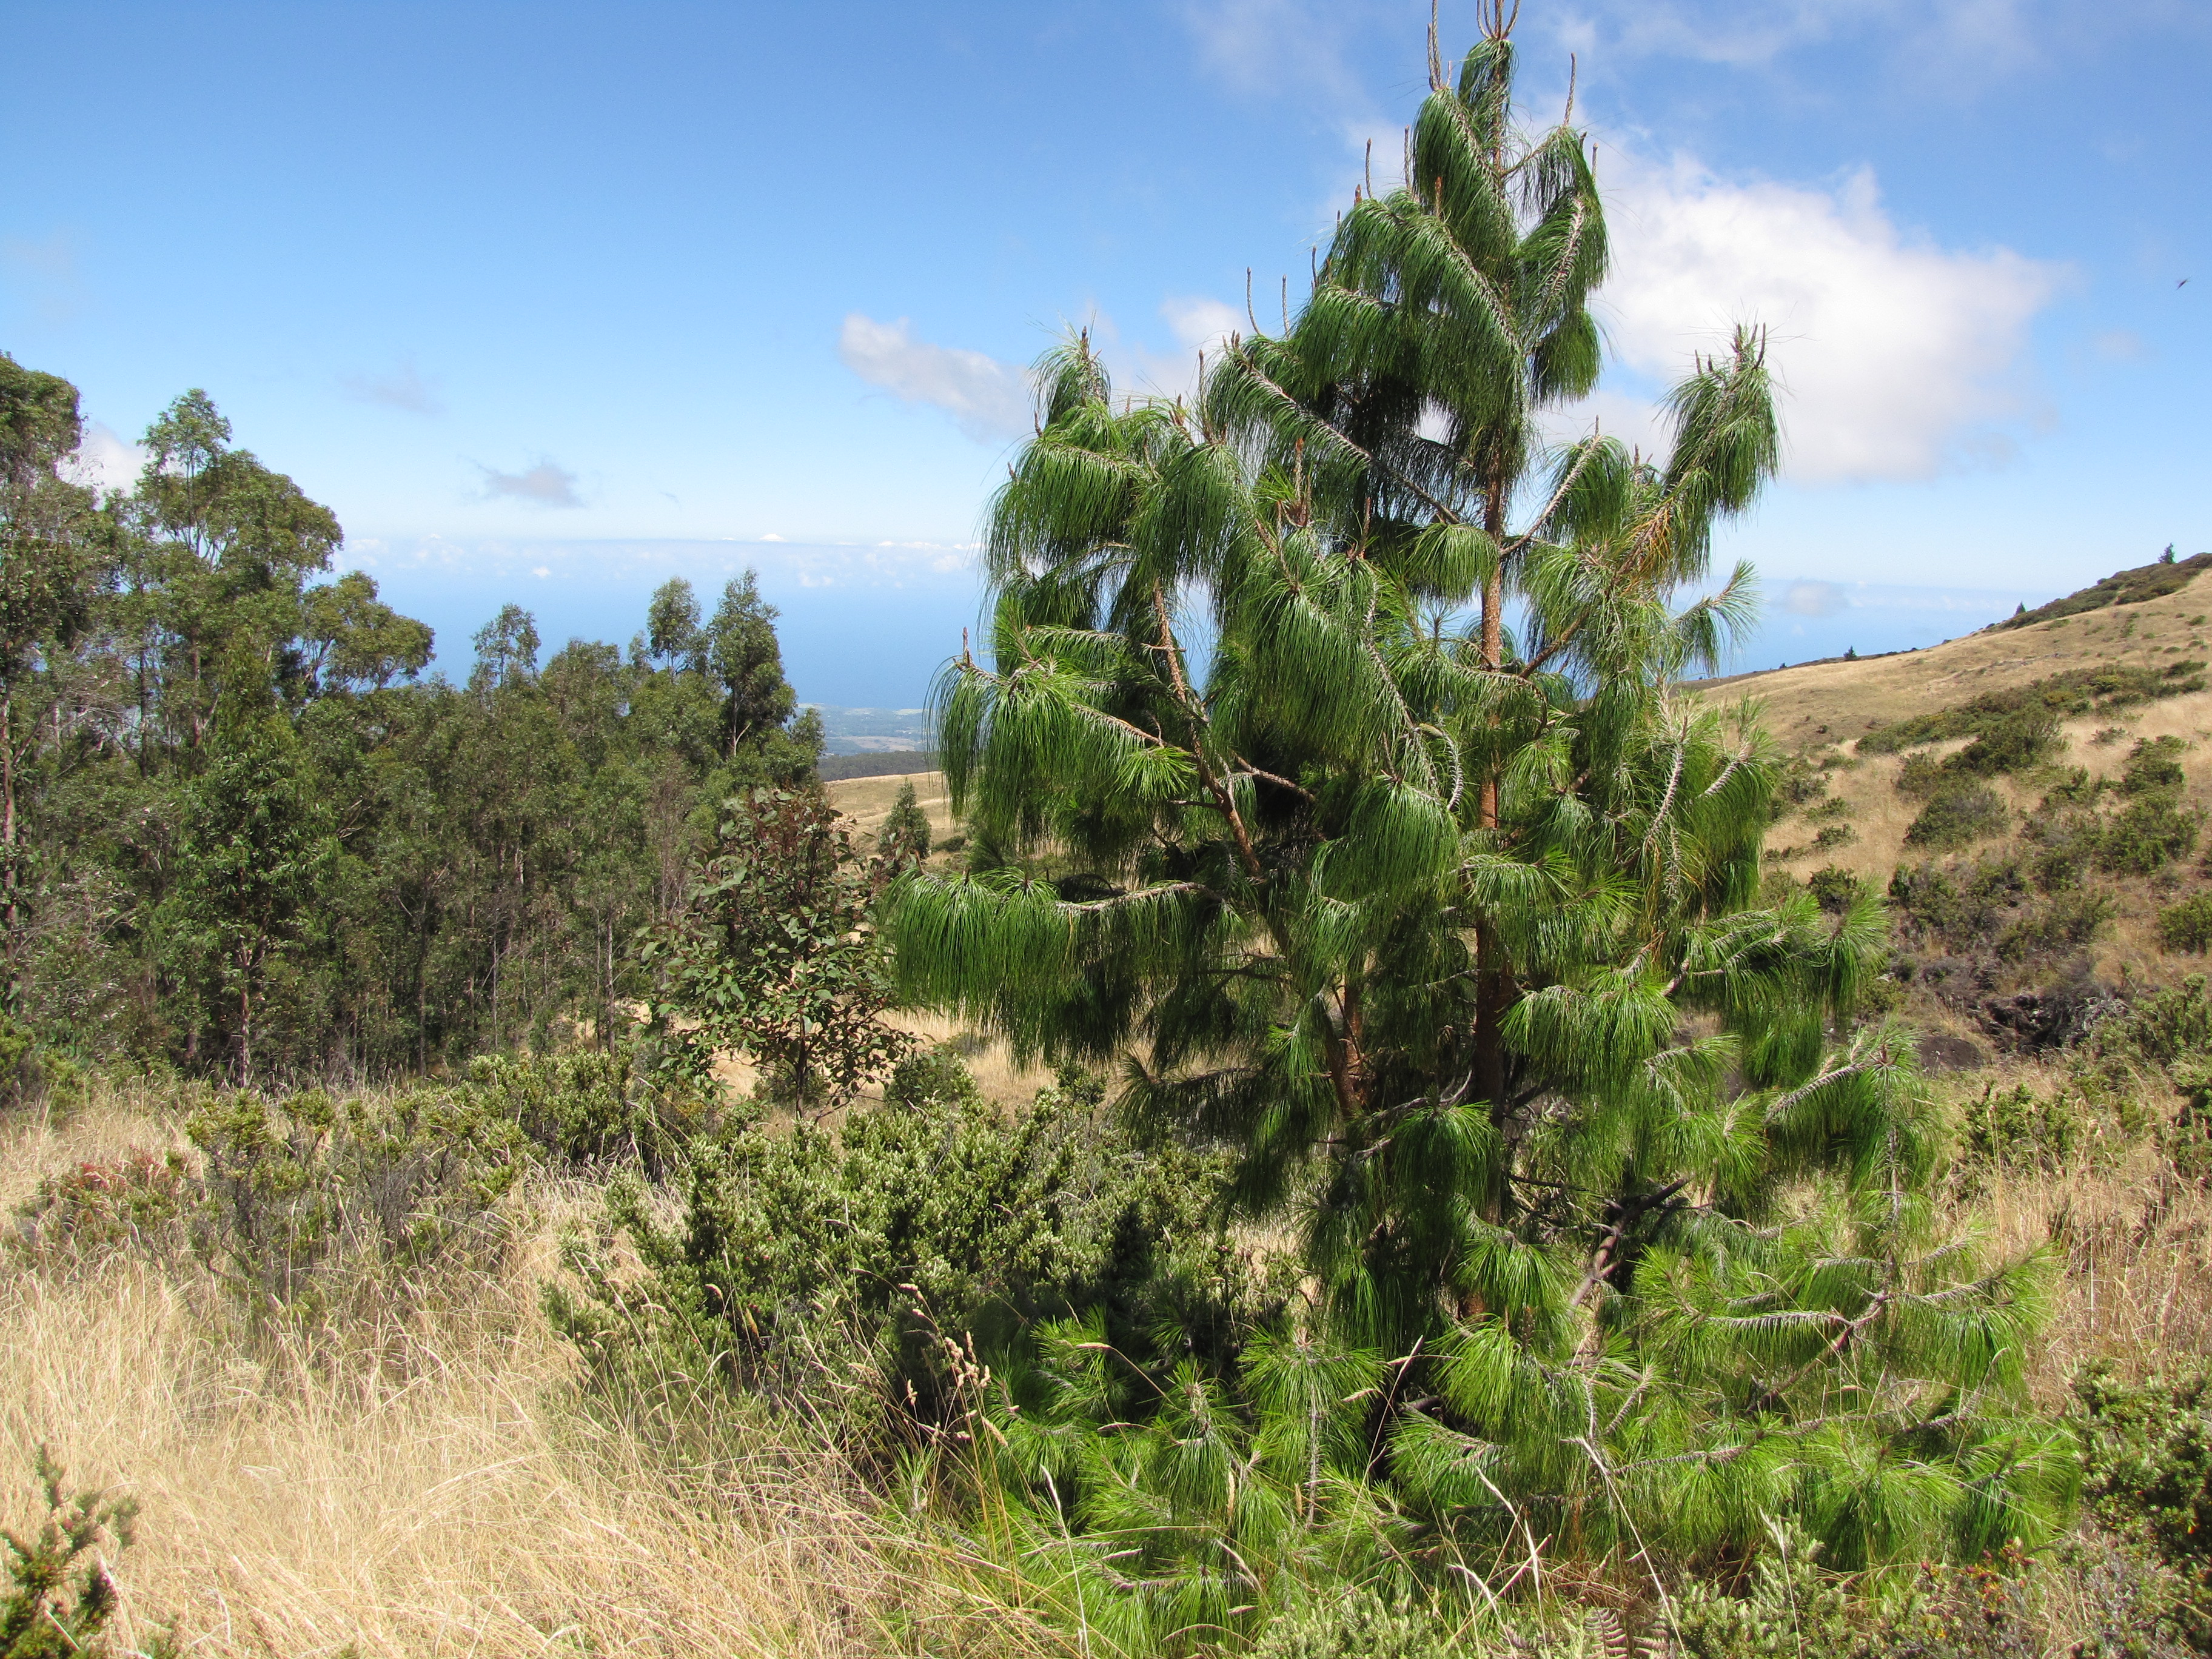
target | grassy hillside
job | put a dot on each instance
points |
(2051, 890)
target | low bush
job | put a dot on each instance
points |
(60, 1595)
(2065, 921)
(2145, 836)
(2187, 926)
(88, 1212)
(587, 1109)
(1958, 814)
(304, 1202)
(806, 1260)
(2014, 742)
(2152, 767)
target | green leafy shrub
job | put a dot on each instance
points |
(937, 1216)
(2147, 1460)
(305, 1201)
(2154, 766)
(1919, 777)
(2150, 833)
(60, 1595)
(87, 1212)
(2014, 742)
(1963, 907)
(1957, 814)
(587, 1109)
(1835, 890)
(2187, 926)
(2066, 920)
(2077, 691)
(1357, 1623)
(2017, 1129)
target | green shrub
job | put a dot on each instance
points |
(801, 1256)
(2154, 766)
(306, 1202)
(1357, 1623)
(2068, 920)
(2147, 1462)
(587, 1109)
(2014, 742)
(2187, 926)
(1962, 908)
(1957, 814)
(2148, 835)
(1919, 777)
(2017, 1128)
(85, 1213)
(60, 1595)
(1836, 889)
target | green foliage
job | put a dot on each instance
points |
(2146, 835)
(2014, 742)
(1355, 1622)
(588, 1110)
(2152, 767)
(902, 843)
(806, 1256)
(304, 1204)
(2187, 926)
(59, 1595)
(775, 952)
(1958, 814)
(1835, 890)
(2148, 1461)
(85, 1214)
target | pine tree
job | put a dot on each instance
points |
(902, 843)
(1457, 938)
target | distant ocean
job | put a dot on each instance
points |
(866, 629)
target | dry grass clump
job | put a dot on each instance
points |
(2135, 1243)
(433, 1486)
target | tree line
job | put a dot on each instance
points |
(244, 833)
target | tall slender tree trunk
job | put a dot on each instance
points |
(1490, 991)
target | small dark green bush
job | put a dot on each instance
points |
(2147, 1460)
(806, 1259)
(1836, 889)
(2154, 766)
(2150, 833)
(587, 1109)
(1919, 777)
(2067, 919)
(85, 1213)
(1357, 1623)
(1958, 814)
(2014, 742)
(2187, 926)
(60, 1595)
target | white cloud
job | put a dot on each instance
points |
(988, 399)
(106, 460)
(1957, 41)
(2120, 345)
(1814, 598)
(404, 387)
(1896, 356)
(546, 485)
(1198, 323)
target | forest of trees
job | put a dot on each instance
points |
(243, 834)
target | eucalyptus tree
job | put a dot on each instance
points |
(1456, 933)
(50, 574)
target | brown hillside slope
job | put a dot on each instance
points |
(1856, 819)
(1835, 702)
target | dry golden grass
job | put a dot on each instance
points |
(433, 1488)
(1834, 702)
(2136, 1248)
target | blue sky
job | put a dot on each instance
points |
(551, 301)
